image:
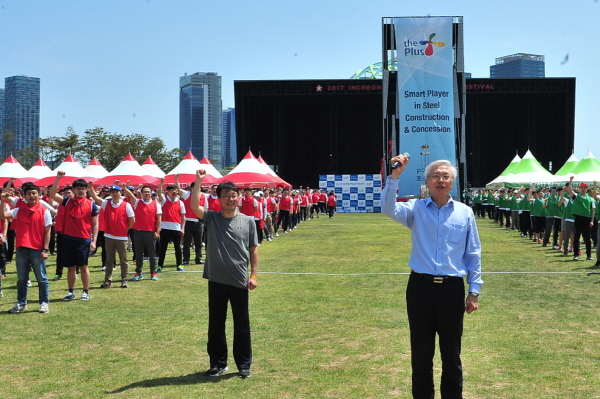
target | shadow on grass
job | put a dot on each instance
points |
(190, 379)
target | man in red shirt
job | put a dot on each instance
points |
(285, 206)
(315, 203)
(119, 218)
(194, 228)
(248, 204)
(80, 230)
(172, 226)
(148, 218)
(33, 223)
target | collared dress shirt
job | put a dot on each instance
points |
(445, 241)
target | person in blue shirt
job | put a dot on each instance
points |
(445, 250)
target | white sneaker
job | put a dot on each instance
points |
(44, 307)
(17, 308)
(84, 296)
(276, 234)
(69, 297)
(29, 283)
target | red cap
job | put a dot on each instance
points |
(583, 185)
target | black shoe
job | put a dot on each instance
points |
(199, 262)
(186, 263)
(244, 373)
(216, 371)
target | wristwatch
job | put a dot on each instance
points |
(473, 293)
(45, 250)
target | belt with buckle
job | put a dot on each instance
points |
(438, 279)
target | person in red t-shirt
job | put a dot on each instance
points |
(285, 207)
(119, 218)
(172, 225)
(194, 228)
(32, 239)
(315, 203)
(247, 204)
(331, 203)
(148, 218)
(80, 230)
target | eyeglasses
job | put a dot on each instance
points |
(229, 197)
(441, 177)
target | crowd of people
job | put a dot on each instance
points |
(557, 216)
(74, 221)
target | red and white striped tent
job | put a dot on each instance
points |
(95, 169)
(152, 168)
(187, 171)
(250, 173)
(267, 169)
(40, 170)
(128, 169)
(73, 171)
(12, 168)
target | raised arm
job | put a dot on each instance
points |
(569, 186)
(159, 190)
(93, 194)
(196, 193)
(54, 189)
(128, 193)
(179, 190)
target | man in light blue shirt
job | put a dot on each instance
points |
(445, 249)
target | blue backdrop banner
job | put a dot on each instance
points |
(425, 96)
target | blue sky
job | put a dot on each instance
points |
(117, 63)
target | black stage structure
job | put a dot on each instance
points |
(304, 128)
(309, 127)
(513, 115)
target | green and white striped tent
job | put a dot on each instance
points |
(587, 170)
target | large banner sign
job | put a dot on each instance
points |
(354, 193)
(425, 96)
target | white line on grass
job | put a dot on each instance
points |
(374, 274)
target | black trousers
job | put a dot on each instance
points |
(525, 219)
(167, 236)
(144, 243)
(285, 219)
(218, 297)
(582, 228)
(193, 230)
(435, 308)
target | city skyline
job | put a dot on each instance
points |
(200, 113)
(20, 116)
(122, 76)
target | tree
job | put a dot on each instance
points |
(109, 148)
(27, 157)
(8, 139)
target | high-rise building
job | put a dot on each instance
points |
(229, 138)
(519, 65)
(1, 111)
(200, 116)
(21, 125)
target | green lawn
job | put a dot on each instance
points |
(328, 321)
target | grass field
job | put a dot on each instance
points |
(328, 321)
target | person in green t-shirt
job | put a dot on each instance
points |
(568, 226)
(553, 217)
(594, 193)
(584, 213)
(524, 213)
(538, 214)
